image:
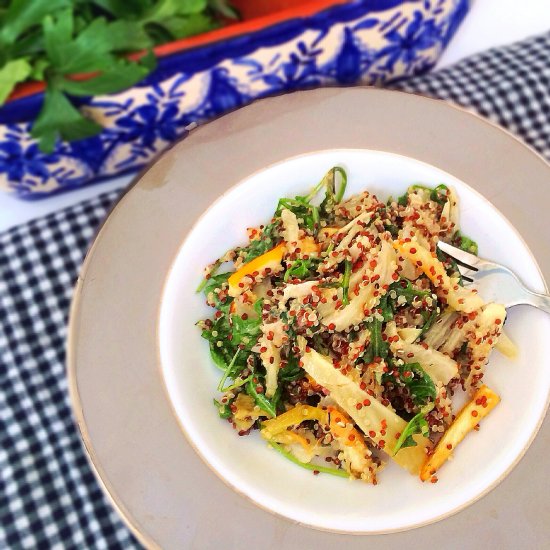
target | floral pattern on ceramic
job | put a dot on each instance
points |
(367, 41)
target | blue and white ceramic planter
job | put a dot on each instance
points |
(364, 41)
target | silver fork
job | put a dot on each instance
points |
(494, 282)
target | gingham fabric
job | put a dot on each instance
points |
(49, 497)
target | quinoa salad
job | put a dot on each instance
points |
(342, 332)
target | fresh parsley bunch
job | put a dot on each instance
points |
(54, 40)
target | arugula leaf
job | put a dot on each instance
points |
(212, 283)
(429, 319)
(246, 331)
(292, 370)
(261, 400)
(417, 425)
(302, 269)
(403, 200)
(451, 266)
(230, 371)
(403, 287)
(386, 308)
(307, 465)
(303, 210)
(261, 245)
(332, 195)
(377, 346)
(345, 282)
(219, 358)
(11, 74)
(465, 243)
(224, 410)
(417, 381)
(439, 194)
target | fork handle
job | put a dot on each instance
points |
(541, 301)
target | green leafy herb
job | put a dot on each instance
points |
(292, 370)
(266, 241)
(415, 378)
(417, 425)
(228, 371)
(386, 308)
(54, 40)
(12, 73)
(345, 282)
(439, 194)
(308, 465)
(240, 382)
(465, 243)
(260, 399)
(403, 200)
(429, 319)
(208, 286)
(377, 346)
(307, 213)
(223, 409)
(246, 331)
(333, 193)
(302, 269)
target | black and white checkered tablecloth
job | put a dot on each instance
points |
(48, 495)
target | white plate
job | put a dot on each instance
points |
(400, 501)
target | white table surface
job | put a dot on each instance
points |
(489, 23)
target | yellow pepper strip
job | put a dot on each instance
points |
(423, 259)
(482, 403)
(288, 438)
(307, 245)
(347, 434)
(271, 259)
(292, 417)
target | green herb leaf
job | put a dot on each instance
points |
(386, 308)
(23, 14)
(302, 269)
(266, 241)
(308, 465)
(122, 75)
(345, 282)
(292, 370)
(228, 371)
(377, 346)
(260, 399)
(246, 331)
(419, 383)
(60, 118)
(11, 74)
(224, 410)
(417, 425)
(439, 194)
(333, 195)
(465, 243)
(301, 207)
